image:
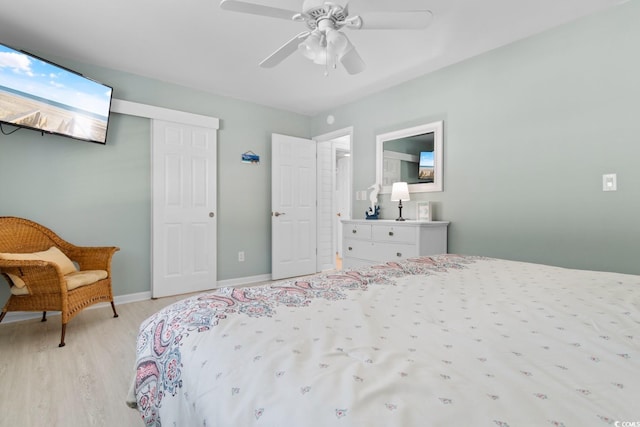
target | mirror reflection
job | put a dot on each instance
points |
(412, 155)
(409, 159)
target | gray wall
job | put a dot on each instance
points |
(529, 130)
(100, 195)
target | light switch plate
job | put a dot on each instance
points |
(609, 182)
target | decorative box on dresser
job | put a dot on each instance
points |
(366, 242)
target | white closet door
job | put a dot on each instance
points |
(184, 208)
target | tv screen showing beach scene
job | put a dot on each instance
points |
(425, 168)
(40, 95)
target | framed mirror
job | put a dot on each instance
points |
(412, 155)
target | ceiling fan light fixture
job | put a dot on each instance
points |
(338, 41)
(315, 48)
(351, 61)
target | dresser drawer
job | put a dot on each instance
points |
(390, 233)
(357, 231)
(383, 252)
(355, 248)
(378, 252)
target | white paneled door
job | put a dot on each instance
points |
(293, 206)
(184, 208)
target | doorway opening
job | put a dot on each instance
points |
(333, 196)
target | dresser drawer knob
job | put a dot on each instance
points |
(354, 231)
(398, 254)
(350, 248)
(391, 233)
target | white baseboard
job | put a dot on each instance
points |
(17, 316)
(244, 281)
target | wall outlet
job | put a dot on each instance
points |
(609, 182)
(241, 256)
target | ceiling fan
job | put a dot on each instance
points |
(323, 42)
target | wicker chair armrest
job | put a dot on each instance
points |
(39, 276)
(19, 263)
(93, 257)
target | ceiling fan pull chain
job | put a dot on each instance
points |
(326, 62)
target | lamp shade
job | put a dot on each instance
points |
(399, 191)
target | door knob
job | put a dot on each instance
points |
(211, 214)
(279, 213)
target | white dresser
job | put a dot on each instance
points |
(366, 242)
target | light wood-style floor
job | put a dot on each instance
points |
(82, 384)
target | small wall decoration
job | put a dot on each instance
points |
(424, 211)
(250, 157)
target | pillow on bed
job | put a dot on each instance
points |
(52, 254)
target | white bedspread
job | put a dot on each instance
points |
(439, 341)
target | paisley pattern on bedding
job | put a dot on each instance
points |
(427, 341)
(160, 373)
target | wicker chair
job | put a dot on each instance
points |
(43, 284)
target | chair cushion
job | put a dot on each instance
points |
(74, 280)
(81, 278)
(52, 254)
(19, 291)
(17, 281)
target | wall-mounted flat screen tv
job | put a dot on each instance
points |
(40, 95)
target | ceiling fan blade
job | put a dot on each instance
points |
(257, 9)
(405, 20)
(284, 51)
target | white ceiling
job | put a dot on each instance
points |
(196, 44)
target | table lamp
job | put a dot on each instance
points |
(399, 192)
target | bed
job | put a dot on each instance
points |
(433, 341)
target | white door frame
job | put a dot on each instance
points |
(345, 212)
(348, 131)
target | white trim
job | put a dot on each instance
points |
(229, 283)
(152, 112)
(17, 316)
(335, 134)
(128, 298)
